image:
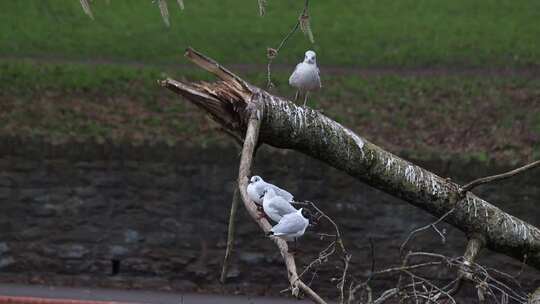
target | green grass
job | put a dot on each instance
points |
(467, 115)
(367, 33)
(106, 95)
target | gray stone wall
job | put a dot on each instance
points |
(155, 217)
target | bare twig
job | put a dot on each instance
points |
(498, 177)
(86, 8)
(250, 143)
(164, 12)
(474, 246)
(180, 4)
(410, 267)
(339, 239)
(346, 260)
(534, 298)
(262, 7)
(330, 250)
(273, 53)
(432, 225)
(230, 233)
(305, 24)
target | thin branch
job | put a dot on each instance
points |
(305, 25)
(432, 225)
(273, 53)
(262, 7)
(474, 246)
(402, 268)
(230, 233)
(86, 8)
(489, 179)
(427, 282)
(246, 161)
(341, 284)
(339, 239)
(181, 4)
(164, 12)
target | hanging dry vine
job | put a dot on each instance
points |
(272, 53)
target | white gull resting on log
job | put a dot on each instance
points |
(257, 186)
(291, 226)
(305, 77)
(276, 206)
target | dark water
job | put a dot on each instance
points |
(164, 220)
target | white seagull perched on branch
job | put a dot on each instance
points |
(276, 206)
(305, 77)
(291, 226)
(257, 187)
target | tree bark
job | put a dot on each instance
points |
(285, 125)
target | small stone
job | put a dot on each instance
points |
(180, 261)
(108, 181)
(161, 239)
(221, 243)
(4, 248)
(118, 251)
(198, 269)
(30, 194)
(31, 234)
(85, 192)
(252, 258)
(170, 225)
(72, 251)
(138, 265)
(46, 210)
(76, 266)
(5, 262)
(6, 181)
(184, 285)
(132, 236)
(5, 192)
(233, 272)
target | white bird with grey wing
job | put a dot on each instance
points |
(257, 187)
(305, 77)
(291, 226)
(276, 206)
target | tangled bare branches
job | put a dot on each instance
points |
(415, 282)
(328, 251)
(414, 277)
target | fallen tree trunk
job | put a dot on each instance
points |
(285, 125)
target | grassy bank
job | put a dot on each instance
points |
(408, 33)
(96, 79)
(484, 117)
